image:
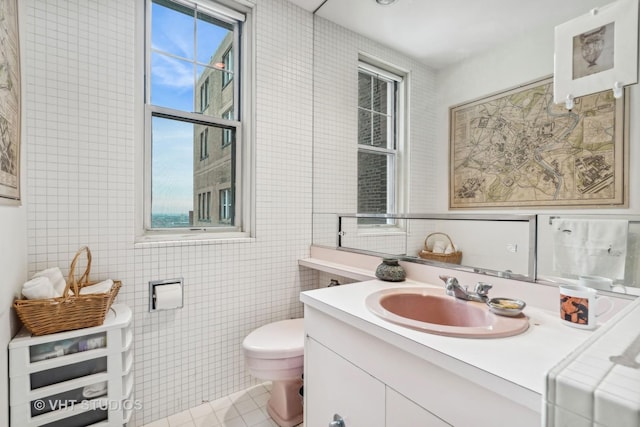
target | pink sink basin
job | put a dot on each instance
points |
(430, 310)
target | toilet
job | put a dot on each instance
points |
(275, 352)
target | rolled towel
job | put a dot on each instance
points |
(438, 247)
(451, 249)
(38, 288)
(98, 288)
(94, 390)
(55, 276)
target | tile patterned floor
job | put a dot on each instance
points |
(247, 408)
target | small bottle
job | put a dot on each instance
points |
(390, 271)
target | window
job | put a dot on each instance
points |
(227, 62)
(227, 134)
(225, 205)
(204, 144)
(378, 141)
(204, 95)
(192, 103)
(204, 206)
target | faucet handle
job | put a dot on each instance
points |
(482, 288)
(449, 280)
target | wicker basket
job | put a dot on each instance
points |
(426, 253)
(70, 311)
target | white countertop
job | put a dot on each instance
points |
(599, 383)
(522, 359)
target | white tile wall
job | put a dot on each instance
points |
(599, 382)
(80, 142)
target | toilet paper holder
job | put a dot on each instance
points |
(155, 286)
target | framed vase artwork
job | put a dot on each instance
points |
(9, 104)
(597, 51)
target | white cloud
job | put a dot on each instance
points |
(173, 73)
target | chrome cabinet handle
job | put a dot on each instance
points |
(338, 421)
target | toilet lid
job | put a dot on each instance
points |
(276, 340)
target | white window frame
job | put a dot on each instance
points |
(395, 164)
(244, 218)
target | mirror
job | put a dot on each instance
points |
(499, 245)
(601, 251)
(431, 92)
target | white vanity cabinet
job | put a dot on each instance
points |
(334, 386)
(402, 412)
(74, 378)
(373, 382)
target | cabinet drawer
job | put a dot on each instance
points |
(67, 372)
(67, 398)
(81, 420)
(53, 349)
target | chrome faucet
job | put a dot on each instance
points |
(454, 289)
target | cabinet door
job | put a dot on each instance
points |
(332, 385)
(402, 412)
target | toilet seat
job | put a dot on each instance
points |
(278, 340)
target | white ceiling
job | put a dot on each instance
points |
(442, 32)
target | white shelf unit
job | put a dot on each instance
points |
(75, 378)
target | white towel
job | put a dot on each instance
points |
(38, 288)
(55, 276)
(438, 247)
(451, 249)
(586, 247)
(98, 288)
(94, 390)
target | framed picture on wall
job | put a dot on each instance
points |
(517, 149)
(597, 51)
(9, 104)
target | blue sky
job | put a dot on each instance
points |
(172, 85)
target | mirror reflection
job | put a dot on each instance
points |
(500, 245)
(599, 251)
(415, 172)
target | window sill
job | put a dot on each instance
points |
(187, 239)
(367, 231)
(342, 270)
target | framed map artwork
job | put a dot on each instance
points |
(518, 149)
(9, 104)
